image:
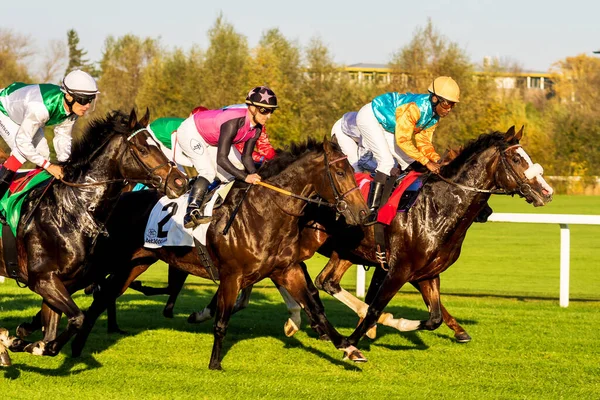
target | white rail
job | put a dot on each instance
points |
(565, 244)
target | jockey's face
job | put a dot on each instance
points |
(443, 106)
(260, 115)
(77, 108)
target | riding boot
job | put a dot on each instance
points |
(375, 196)
(6, 178)
(193, 216)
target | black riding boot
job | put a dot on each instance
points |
(6, 178)
(193, 216)
(375, 196)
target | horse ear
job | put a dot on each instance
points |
(326, 145)
(132, 119)
(519, 134)
(510, 134)
(146, 118)
(333, 139)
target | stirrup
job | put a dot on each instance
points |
(195, 218)
(371, 218)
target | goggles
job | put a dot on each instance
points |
(83, 100)
(445, 104)
(265, 111)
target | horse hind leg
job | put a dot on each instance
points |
(292, 325)
(5, 360)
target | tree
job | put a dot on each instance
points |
(53, 62)
(122, 66)
(225, 77)
(77, 54)
(15, 49)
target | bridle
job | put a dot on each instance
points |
(155, 181)
(523, 188)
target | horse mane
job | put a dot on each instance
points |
(98, 132)
(285, 157)
(475, 146)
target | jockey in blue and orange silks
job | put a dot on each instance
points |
(207, 138)
(396, 127)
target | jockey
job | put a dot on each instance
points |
(26, 109)
(263, 151)
(207, 139)
(398, 127)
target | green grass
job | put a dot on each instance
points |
(503, 290)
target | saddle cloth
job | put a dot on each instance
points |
(165, 224)
(388, 210)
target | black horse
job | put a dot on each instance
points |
(263, 239)
(59, 230)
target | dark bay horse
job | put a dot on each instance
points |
(58, 231)
(423, 242)
(263, 241)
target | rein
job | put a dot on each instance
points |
(493, 191)
(340, 205)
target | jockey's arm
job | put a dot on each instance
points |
(247, 158)
(35, 119)
(62, 139)
(407, 116)
(226, 136)
(424, 143)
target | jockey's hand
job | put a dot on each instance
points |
(433, 167)
(395, 171)
(56, 171)
(252, 178)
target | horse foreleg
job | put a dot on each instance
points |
(299, 285)
(329, 281)
(389, 287)
(226, 295)
(460, 334)
(57, 297)
(292, 325)
(27, 328)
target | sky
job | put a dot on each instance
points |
(533, 34)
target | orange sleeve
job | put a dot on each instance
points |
(424, 143)
(407, 116)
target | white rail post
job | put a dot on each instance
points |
(360, 281)
(565, 255)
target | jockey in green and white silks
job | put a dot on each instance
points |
(26, 109)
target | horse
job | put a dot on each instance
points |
(262, 240)
(421, 243)
(62, 220)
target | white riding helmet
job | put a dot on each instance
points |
(79, 83)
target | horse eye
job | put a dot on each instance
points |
(143, 151)
(516, 160)
(340, 173)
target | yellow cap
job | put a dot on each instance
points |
(445, 87)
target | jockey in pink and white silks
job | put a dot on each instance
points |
(26, 109)
(207, 138)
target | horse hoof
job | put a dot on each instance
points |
(37, 348)
(372, 332)
(5, 359)
(4, 336)
(168, 313)
(216, 366)
(290, 328)
(353, 354)
(198, 317)
(462, 337)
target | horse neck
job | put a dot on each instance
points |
(456, 208)
(299, 178)
(97, 199)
